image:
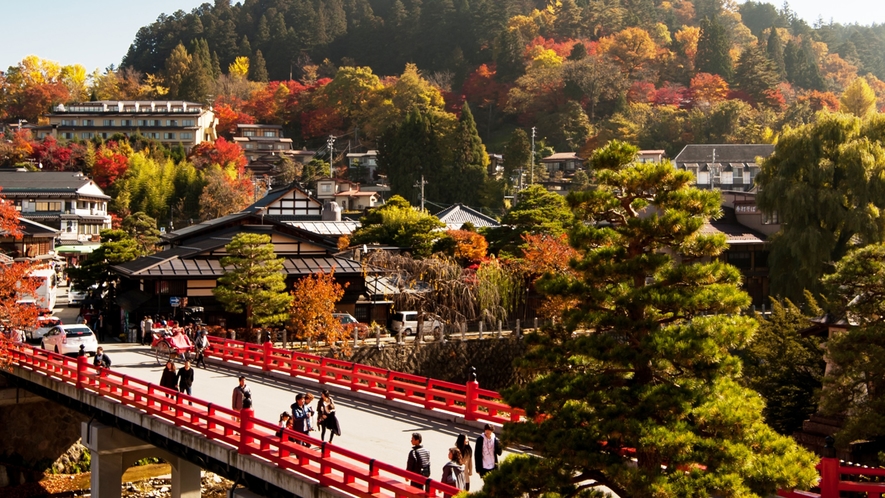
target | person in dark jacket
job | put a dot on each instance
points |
(101, 359)
(419, 460)
(486, 451)
(326, 417)
(169, 379)
(186, 378)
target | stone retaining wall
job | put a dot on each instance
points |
(451, 361)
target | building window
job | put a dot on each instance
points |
(185, 136)
(326, 188)
(107, 122)
(770, 218)
(48, 206)
(125, 122)
(169, 136)
(171, 122)
(87, 122)
(171, 287)
(67, 136)
(142, 122)
(248, 133)
(742, 260)
(187, 122)
(271, 134)
(86, 135)
(703, 177)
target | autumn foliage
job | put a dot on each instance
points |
(14, 283)
(313, 302)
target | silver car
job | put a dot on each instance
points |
(67, 339)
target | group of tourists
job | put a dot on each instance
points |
(301, 417)
(461, 459)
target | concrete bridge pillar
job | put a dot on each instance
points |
(114, 451)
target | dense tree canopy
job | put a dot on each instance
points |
(649, 377)
(825, 183)
(398, 224)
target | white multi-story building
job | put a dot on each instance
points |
(172, 122)
(65, 200)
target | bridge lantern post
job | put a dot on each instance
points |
(246, 426)
(829, 471)
(472, 394)
(82, 366)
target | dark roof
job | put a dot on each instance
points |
(15, 181)
(725, 153)
(210, 268)
(35, 229)
(735, 233)
(457, 215)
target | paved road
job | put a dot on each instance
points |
(381, 432)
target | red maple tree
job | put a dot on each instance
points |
(220, 152)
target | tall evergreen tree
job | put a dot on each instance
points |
(197, 82)
(253, 282)
(468, 173)
(517, 152)
(714, 48)
(810, 76)
(755, 74)
(637, 379)
(775, 50)
(258, 68)
(177, 66)
(409, 151)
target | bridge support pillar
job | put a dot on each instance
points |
(185, 479)
(114, 451)
(108, 448)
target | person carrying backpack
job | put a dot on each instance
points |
(453, 470)
(419, 460)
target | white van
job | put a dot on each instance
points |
(44, 295)
(407, 322)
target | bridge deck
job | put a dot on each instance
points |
(381, 430)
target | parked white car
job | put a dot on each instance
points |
(44, 325)
(76, 296)
(67, 339)
(407, 322)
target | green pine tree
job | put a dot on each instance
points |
(755, 74)
(775, 50)
(258, 68)
(253, 282)
(636, 388)
(714, 49)
(468, 173)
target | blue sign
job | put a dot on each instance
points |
(174, 301)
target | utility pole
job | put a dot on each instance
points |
(533, 155)
(331, 143)
(421, 185)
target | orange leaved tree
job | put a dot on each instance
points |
(14, 284)
(313, 302)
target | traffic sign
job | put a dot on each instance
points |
(174, 301)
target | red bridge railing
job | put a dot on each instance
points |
(331, 465)
(836, 477)
(467, 400)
